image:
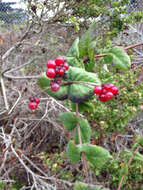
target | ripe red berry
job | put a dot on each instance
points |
(37, 100)
(51, 73)
(51, 64)
(97, 90)
(104, 91)
(33, 105)
(114, 90)
(55, 87)
(66, 66)
(59, 61)
(108, 86)
(109, 95)
(61, 72)
(102, 98)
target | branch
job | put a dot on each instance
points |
(126, 48)
(80, 141)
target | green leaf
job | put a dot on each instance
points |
(91, 53)
(73, 152)
(74, 50)
(83, 106)
(86, 39)
(78, 89)
(119, 59)
(73, 62)
(85, 131)
(69, 120)
(81, 90)
(91, 50)
(84, 186)
(96, 155)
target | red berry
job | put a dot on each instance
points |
(97, 90)
(31, 99)
(37, 100)
(51, 73)
(55, 87)
(59, 61)
(109, 95)
(66, 66)
(114, 90)
(61, 72)
(58, 81)
(33, 105)
(104, 91)
(108, 86)
(51, 64)
(102, 98)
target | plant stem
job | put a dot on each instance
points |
(127, 166)
(78, 82)
(105, 54)
(82, 155)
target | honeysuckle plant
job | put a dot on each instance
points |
(70, 78)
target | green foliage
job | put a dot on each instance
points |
(83, 106)
(73, 152)
(116, 113)
(87, 42)
(81, 90)
(96, 155)
(2, 185)
(85, 132)
(84, 186)
(118, 58)
(74, 50)
(69, 120)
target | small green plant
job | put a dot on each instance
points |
(68, 79)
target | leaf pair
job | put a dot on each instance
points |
(96, 155)
(70, 122)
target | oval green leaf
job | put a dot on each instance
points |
(119, 59)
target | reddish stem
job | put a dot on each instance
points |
(82, 155)
(128, 47)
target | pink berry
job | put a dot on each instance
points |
(97, 90)
(102, 98)
(114, 90)
(37, 100)
(66, 66)
(59, 61)
(51, 64)
(109, 95)
(61, 72)
(55, 87)
(50, 73)
(33, 105)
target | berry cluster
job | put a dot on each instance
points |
(56, 69)
(106, 91)
(33, 103)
